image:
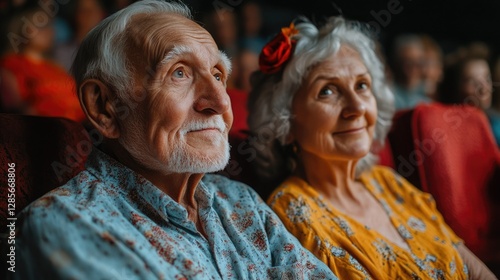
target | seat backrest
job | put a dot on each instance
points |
(452, 155)
(40, 153)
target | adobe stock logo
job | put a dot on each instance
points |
(383, 17)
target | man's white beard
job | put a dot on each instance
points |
(180, 159)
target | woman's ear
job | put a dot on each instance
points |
(96, 101)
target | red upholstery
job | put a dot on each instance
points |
(385, 155)
(401, 142)
(47, 152)
(450, 152)
(240, 112)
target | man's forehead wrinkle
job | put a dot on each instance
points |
(147, 34)
(156, 37)
(190, 43)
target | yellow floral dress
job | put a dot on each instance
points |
(353, 250)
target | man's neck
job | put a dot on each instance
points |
(181, 187)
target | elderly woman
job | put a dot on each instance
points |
(318, 111)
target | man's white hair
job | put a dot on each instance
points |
(102, 54)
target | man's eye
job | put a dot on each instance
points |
(363, 86)
(218, 77)
(179, 73)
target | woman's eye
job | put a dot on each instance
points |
(179, 73)
(325, 92)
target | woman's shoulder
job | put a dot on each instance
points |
(382, 170)
(387, 175)
(387, 178)
(390, 182)
(292, 188)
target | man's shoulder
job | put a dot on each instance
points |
(77, 198)
(229, 189)
(221, 182)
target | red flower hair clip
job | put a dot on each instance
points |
(277, 52)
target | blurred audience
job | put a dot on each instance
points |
(251, 25)
(432, 67)
(467, 80)
(241, 47)
(86, 15)
(408, 58)
(222, 25)
(32, 84)
(248, 62)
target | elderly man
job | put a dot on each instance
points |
(152, 82)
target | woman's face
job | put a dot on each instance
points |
(334, 111)
(475, 85)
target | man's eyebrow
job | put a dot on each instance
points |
(176, 51)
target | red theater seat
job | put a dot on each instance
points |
(450, 152)
(46, 152)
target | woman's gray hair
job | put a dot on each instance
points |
(102, 54)
(270, 101)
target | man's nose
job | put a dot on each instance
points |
(212, 97)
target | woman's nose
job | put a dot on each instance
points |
(354, 106)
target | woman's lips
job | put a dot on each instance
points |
(349, 131)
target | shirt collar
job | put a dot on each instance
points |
(141, 192)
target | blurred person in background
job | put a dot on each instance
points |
(248, 62)
(251, 25)
(223, 26)
(408, 59)
(467, 80)
(32, 83)
(86, 15)
(432, 67)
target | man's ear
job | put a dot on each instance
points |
(96, 101)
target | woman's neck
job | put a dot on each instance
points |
(334, 179)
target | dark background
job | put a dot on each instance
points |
(451, 23)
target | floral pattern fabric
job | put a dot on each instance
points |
(355, 251)
(110, 223)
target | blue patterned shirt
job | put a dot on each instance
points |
(108, 222)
